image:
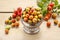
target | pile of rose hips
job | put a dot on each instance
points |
(49, 13)
(13, 20)
(32, 15)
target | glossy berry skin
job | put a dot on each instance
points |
(6, 21)
(25, 19)
(19, 9)
(7, 27)
(46, 18)
(30, 17)
(17, 18)
(19, 14)
(16, 12)
(27, 15)
(51, 4)
(59, 25)
(49, 8)
(13, 20)
(10, 18)
(17, 24)
(55, 22)
(54, 15)
(48, 24)
(6, 31)
(14, 16)
(13, 25)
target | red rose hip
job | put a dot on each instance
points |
(13, 20)
(6, 31)
(14, 15)
(19, 9)
(15, 12)
(49, 8)
(19, 14)
(25, 19)
(51, 4)
(48, 24)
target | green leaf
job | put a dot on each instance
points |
(44, 12)
(44, 3)
(44, 0)
(55, 1)
(59, 6)
(40, 4)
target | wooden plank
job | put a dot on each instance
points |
(6, 12)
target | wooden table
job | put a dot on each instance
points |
(45, 33)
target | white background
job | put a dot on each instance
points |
(45, 33)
